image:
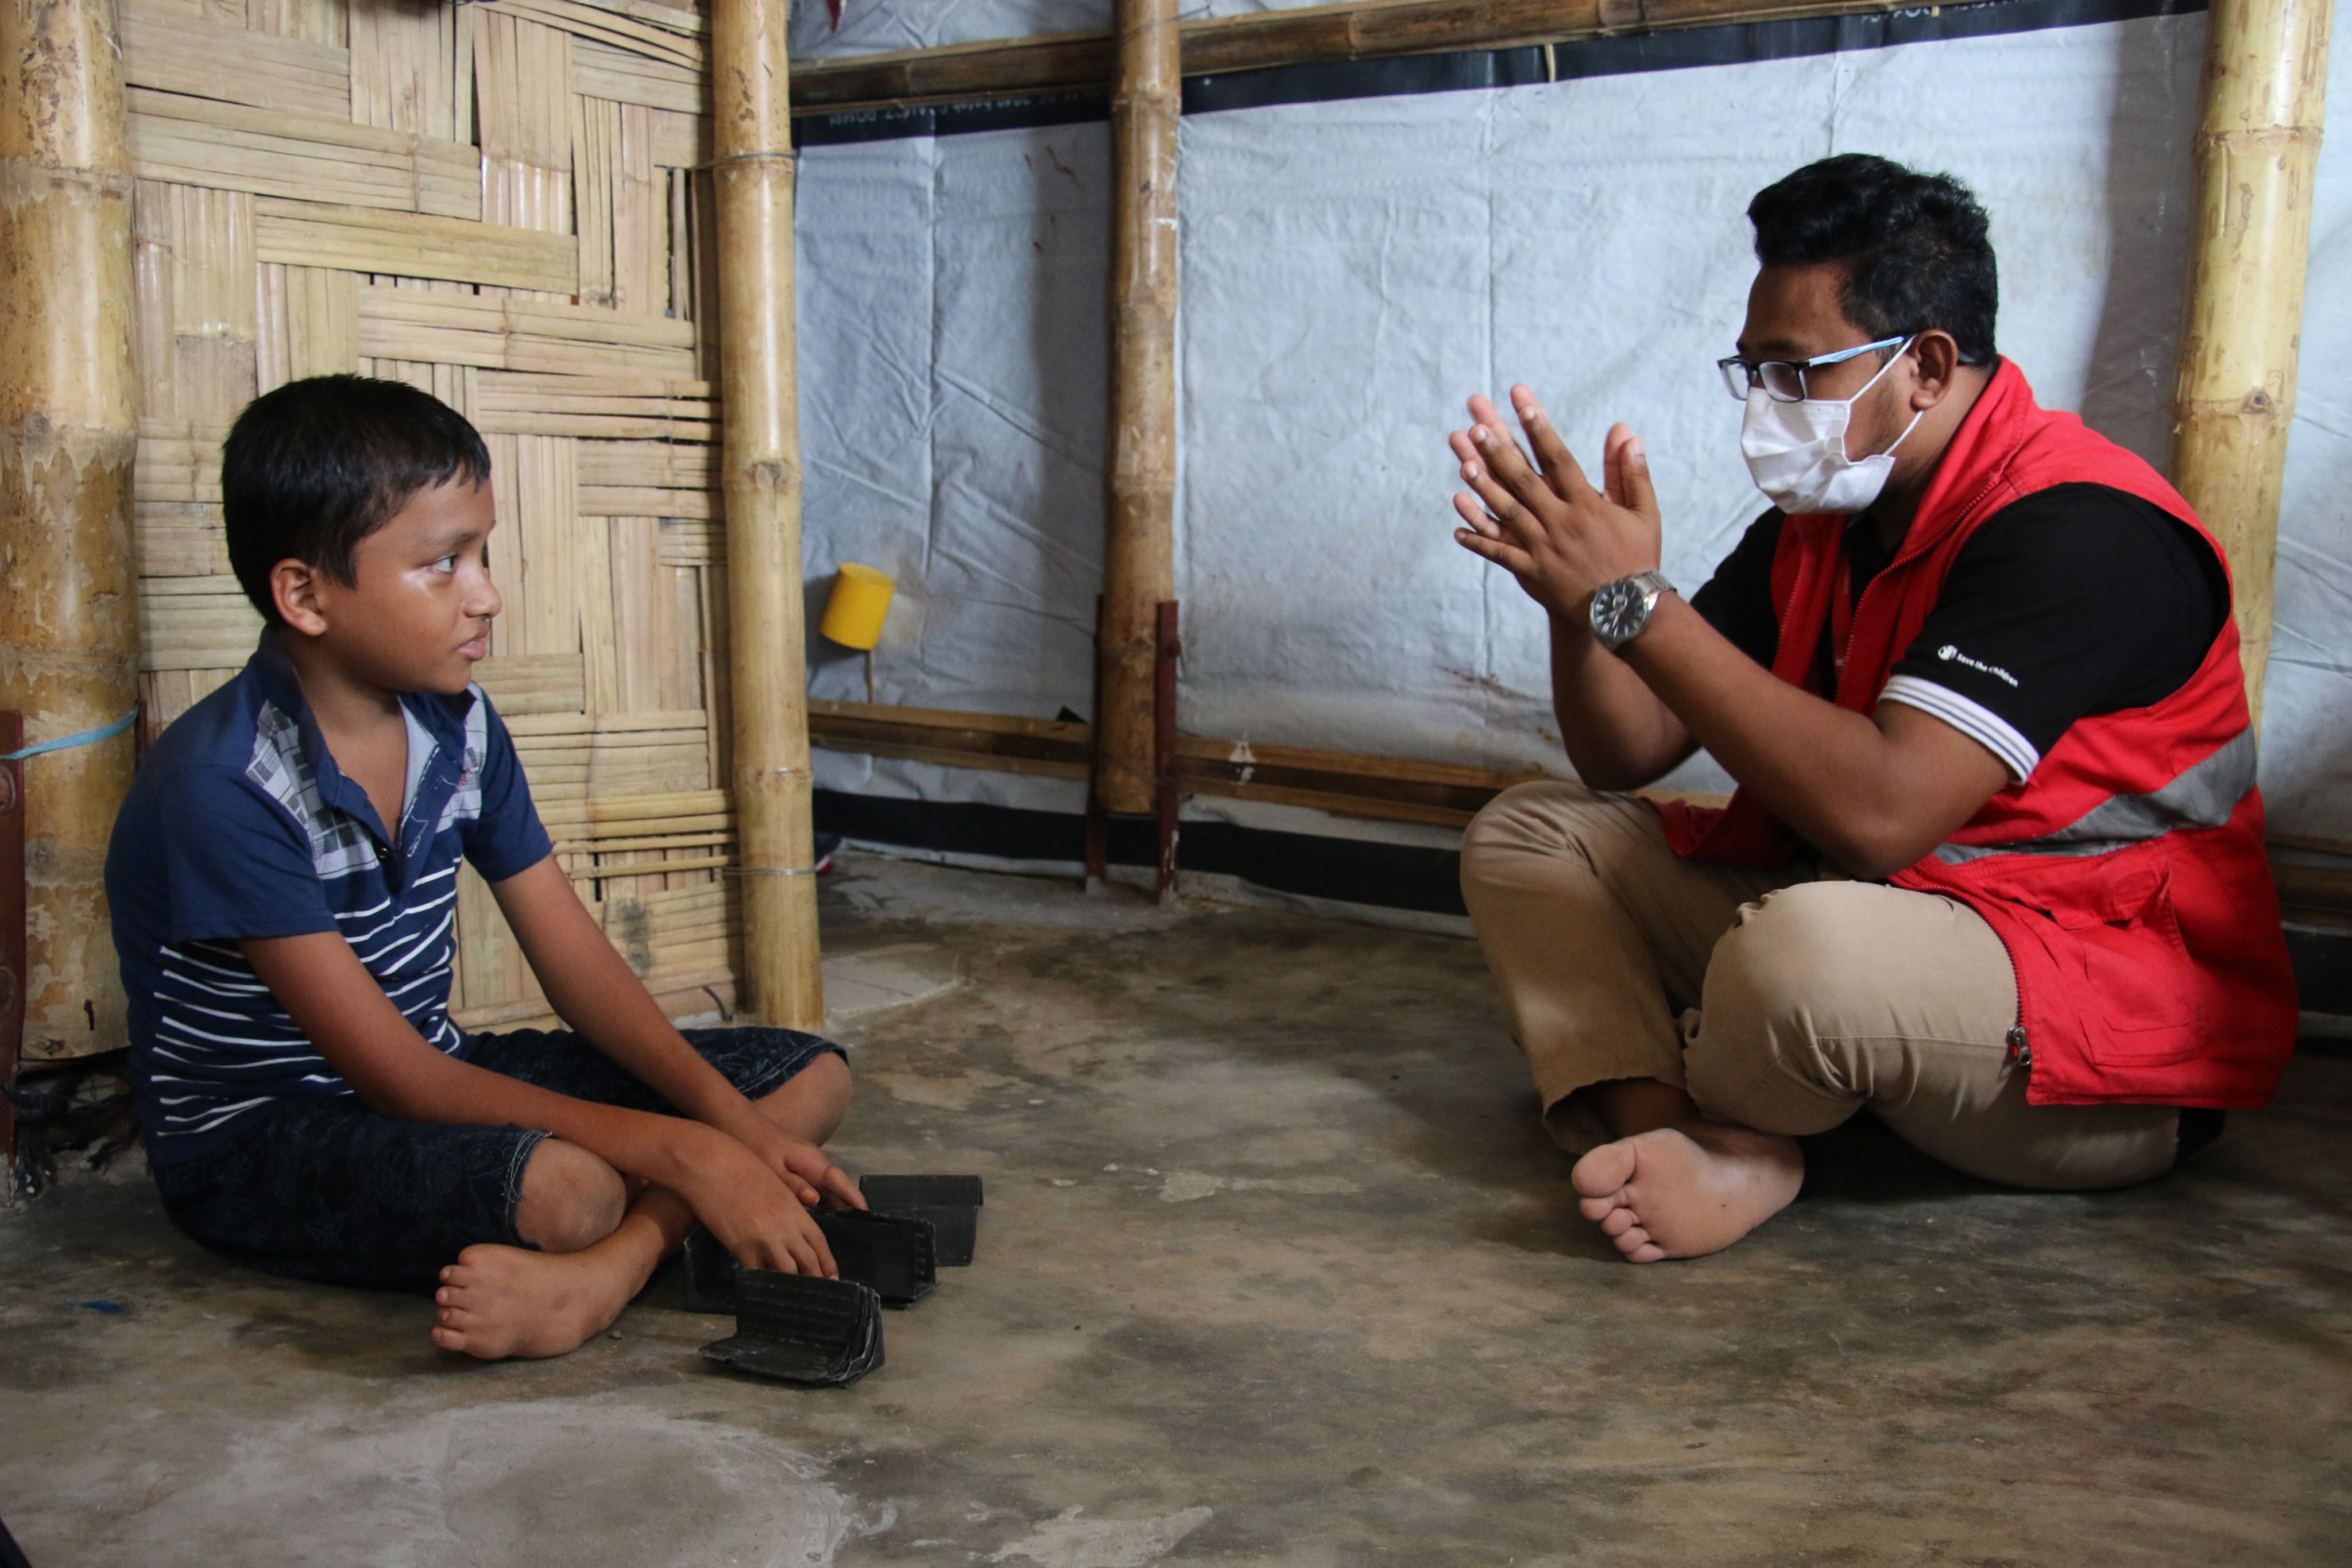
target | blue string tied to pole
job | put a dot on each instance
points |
(84, 738)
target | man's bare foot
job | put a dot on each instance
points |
(498, 1302)
(1680, 1192)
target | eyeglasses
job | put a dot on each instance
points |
(1783, 380)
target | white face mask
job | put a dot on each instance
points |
(1796, 451)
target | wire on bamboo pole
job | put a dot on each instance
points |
(760, 416)
(68, 431)
(1139, 549)
(2257, 150)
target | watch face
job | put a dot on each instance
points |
(1616, 609)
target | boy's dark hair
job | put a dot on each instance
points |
(1914, 246)
(312, 467)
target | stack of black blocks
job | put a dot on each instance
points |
(801, 1328)
(828, 1332)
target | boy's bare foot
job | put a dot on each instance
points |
(498, 1302)
(1679, 1192)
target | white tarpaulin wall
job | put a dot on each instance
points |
(1352, 269)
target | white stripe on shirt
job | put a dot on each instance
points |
(1973, 719)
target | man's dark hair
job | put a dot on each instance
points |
(1914, 246)
(314, 466)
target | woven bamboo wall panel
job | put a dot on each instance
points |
(601, 72)
(194, 624)
(614, 411)
(364, 239)
(651, 31)
(307, 322)
(284, 152)
(534, 682)
(685, 542)
(411, 69)
(179, 49)
(506, 204)
(526, 336)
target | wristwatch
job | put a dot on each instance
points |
(1621, 609)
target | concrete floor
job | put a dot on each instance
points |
(1274, 1269)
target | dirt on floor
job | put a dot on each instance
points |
(1275, 1269)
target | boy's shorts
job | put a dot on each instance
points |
(327, 1189)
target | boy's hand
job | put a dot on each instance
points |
(752, 1209)
(800, 1165)
(792, 1244)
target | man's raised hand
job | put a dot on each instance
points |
(1547, 526)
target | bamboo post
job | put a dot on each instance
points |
(68, 431)
(760, 414)
(2257, 149)
(12, 944)
(1139, 549)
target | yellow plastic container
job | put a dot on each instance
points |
(861, 597)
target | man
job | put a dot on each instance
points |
(1995, 866)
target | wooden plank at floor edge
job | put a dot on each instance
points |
(1349, 783)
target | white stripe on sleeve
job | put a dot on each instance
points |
(1973, 719)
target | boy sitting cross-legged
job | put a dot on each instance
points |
(283, 879)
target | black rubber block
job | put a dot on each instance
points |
(710, 1273)
(800, 1328)
(891, 1255)
(951, 1203)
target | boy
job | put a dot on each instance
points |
(283, 881)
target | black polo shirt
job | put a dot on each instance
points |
(2078, 599)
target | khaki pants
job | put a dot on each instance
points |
(1803, 999)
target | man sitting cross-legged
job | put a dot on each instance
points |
(284, 877)
(1995, 866)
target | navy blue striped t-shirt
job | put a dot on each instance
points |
(239, 824)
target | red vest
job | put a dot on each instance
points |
(2127, 876)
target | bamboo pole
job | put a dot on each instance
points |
(1139, 548)
(2257, 150)
(68, 430)
(1321, 34)
(759, 418)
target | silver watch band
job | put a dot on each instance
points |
(1652, 584)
